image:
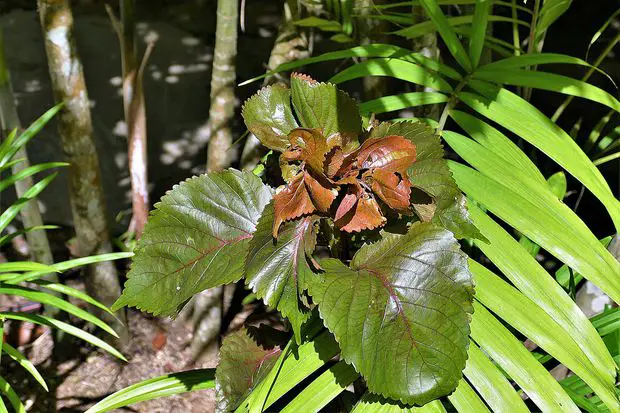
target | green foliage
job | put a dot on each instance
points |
(13, 275)
(195, 239)
(199, 231)
(402, 305)
(368, 303)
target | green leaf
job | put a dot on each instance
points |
(268, 115)
(498, 143)
(550, 81)
(553, 229)
(371, 403)
(11, 212)
(399, 69)
(550, 11)
(465, 399)
(447, 34)
(492, 385)
(72, 292)
(512, 356)
(24, 266)
(531, 320)
(479, 27)
(195, 239)
(400, 312)
(321, 24)
(31, 170)
(323, 389)
(402, 101)
(69, 264)
(556, 228)
(67, 328)
(520, 117)
(7, 390)
(534, 59)
(20, 139)
(323, 106)
(5, 239)
(296, 365)
(25, 363)
(426, 27)
(163, 386)
(369, 51)
(49, 299)
(431, 174)
(276, 269)
(244, 361)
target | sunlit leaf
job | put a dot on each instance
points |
(276, 269)
(246, 356)
(269, 116)
(195, 239)
(400, 312)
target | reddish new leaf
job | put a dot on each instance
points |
(291, 202)
(322, 191)
(392, 188)
(358, 211)
(391, 153)
(310, 146)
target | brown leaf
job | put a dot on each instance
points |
(392, 188)
(391, 153)
(321, 191)
(333, 161)
(291, 202)
(358, 211)
(310, 146)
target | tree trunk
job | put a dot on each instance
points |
(76, 135)
(223, 77)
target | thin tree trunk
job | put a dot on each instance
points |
(208, 306)
(76, 135)
(223, 77)
(372, 31)
(135, 113)
(427, 45)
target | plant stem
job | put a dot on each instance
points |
(135, 113)
(527, 92)
(76, 136)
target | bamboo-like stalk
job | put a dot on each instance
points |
(223, 77)
(135, 113)
(76, 135)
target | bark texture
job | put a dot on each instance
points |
(223, 77)
(76, 135)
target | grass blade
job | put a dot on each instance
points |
(162, 386)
